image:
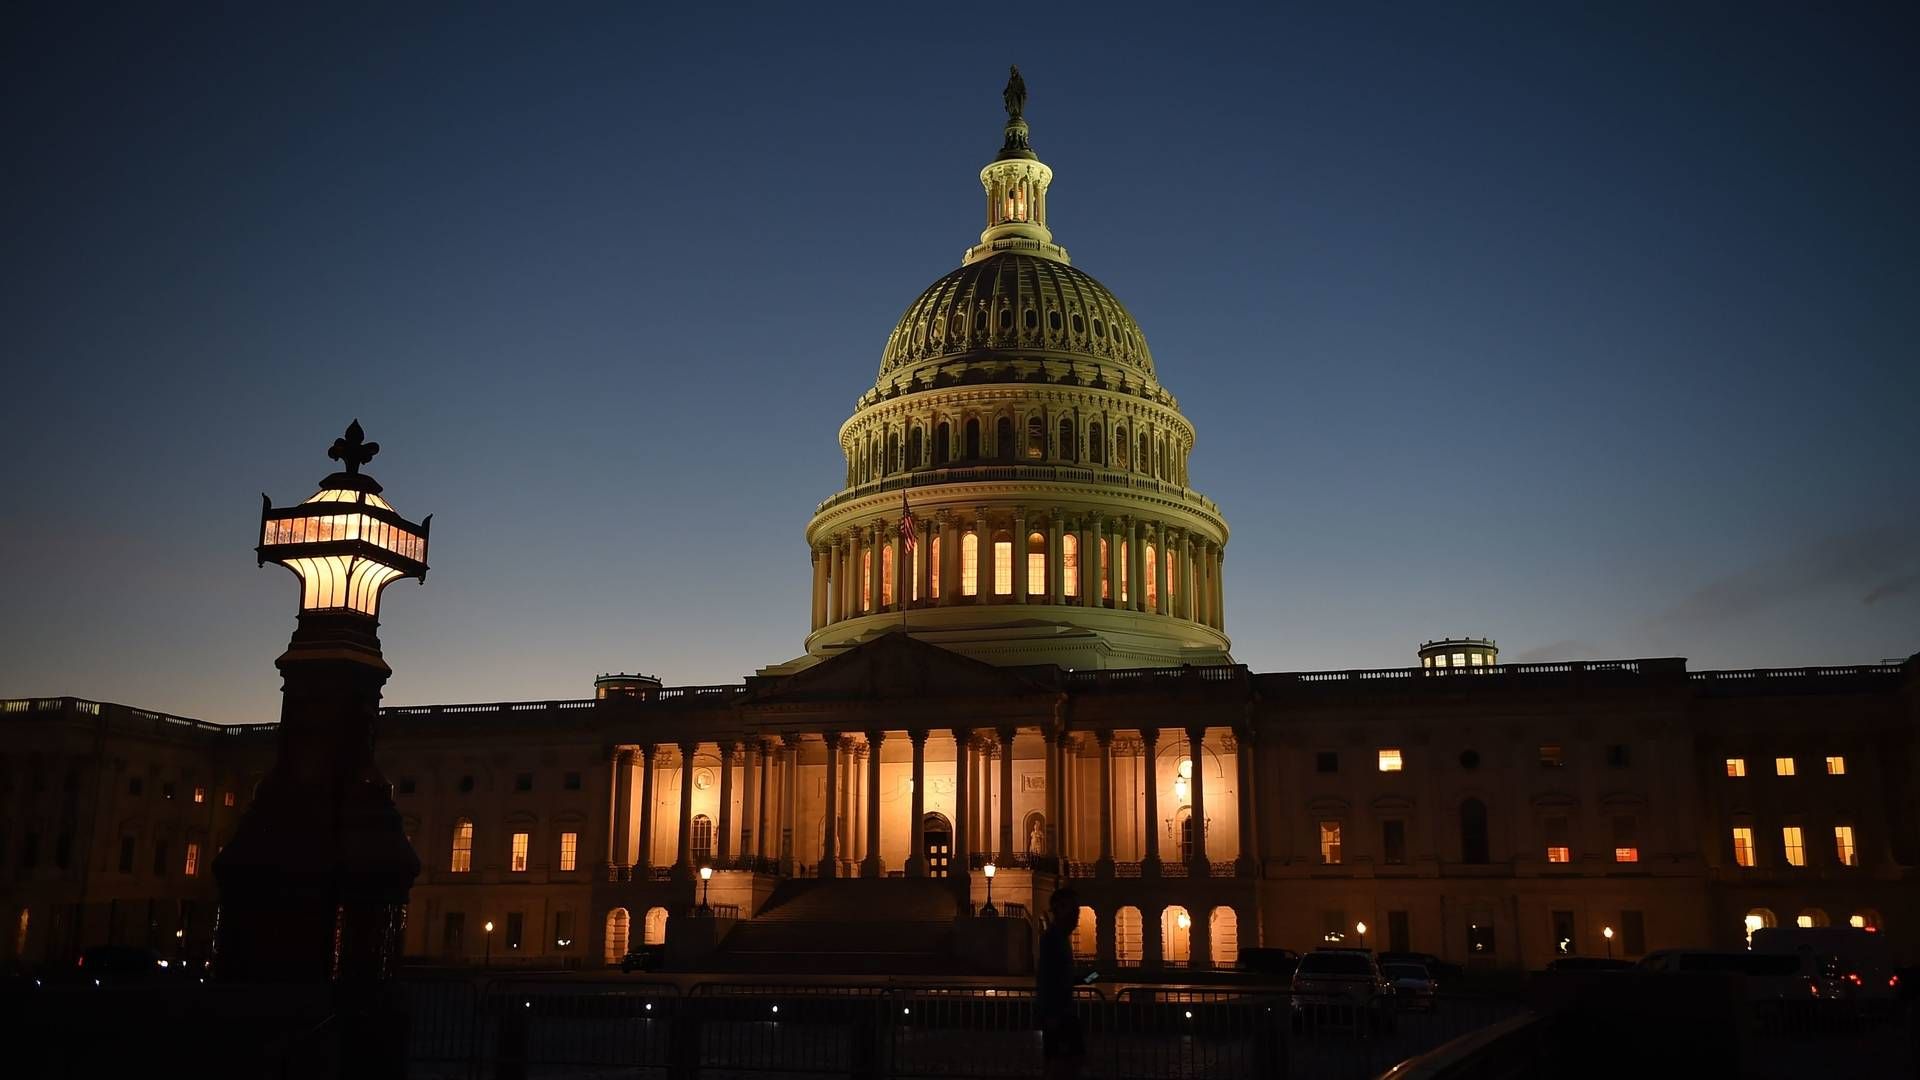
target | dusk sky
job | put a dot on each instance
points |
(1590, 332)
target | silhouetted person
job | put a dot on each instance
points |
(1063, 1044)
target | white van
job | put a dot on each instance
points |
(1861, 961)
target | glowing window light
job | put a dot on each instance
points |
(462, 860)
(1559, 854)
(519, 864)
(1743, 845)
(1843, 847)
(1036, 564)
(1783, 766)
(970, 565)
(1792, 840)
(1003, 568)
(1390, 760)
(192, 867)
(1736, 767)
(886, 575)
(866, 580)
(1152, 584)
(569, 850)
(1070, 564)
(933, 568)
(1124, 545)
(1836, 765)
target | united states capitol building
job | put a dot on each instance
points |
(1031, 687)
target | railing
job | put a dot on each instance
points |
(1138, 678)
(1574, 667)
(1064, 474)
(1745, 674)
(120, 716)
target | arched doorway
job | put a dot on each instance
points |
(1186, 834)
(937, 832)
(1758, 919)
(1868, 920)
(1086, 936)
(617, 922)
(1126, 936)
(1176, 937)
(655, 930)
(1811, 917)
(1224, 927)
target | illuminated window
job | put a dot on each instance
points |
(933, 567)
(1152, 584)
(1106, 586)
(519, 864)
(193, 859)
(1477, 659)
(1795, 845)
(913, 569)
(226, 799)
(1783, 766)
(1626, 842)
(1003, 568)
(1558, 849)
(1736, 766)
(1552, 755)
(1036, 438)
(702, 839)
(1390, 760)
(1836, 765)
(866, 580)
(200, 793)
(1843, 845)
(1070, 564)
(1036, 564)
(1124, 567)
(970, 564)
(886, 575)
(1459, 659)
(462, 846)
(1743, 845)
(1330, 843)
(569, 849)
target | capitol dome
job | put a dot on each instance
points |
(1016, 304)
(1016, 483)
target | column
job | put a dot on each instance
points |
(983, 537)
(830, 809)
(764, 803)
(949, 559)
(643, 862)
(1056, 558)
(620, 826)
(1186, 576)
(789, 800)
(1054, 747)
(818, 610)
(1165, 606)
(983, 798)
(1114, 532)
(925, 531)
(1150, 862)
(749, 802)
(1200, 938)
(1019, 548)
(962, 834)
(1220, 589)
(1090, 562)
(871, 865)
(856, 806)
(1104, 868)
(1247, 864)
(1197, 753)
(1202, 591)
(902, 575)
(917, 865)
(1136, 568)
(683, 863)
(1006, 796)
(723, 849)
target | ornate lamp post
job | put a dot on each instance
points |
(706, 879)
(989, 870)
(1607, 932)
(314, 885)
(488, 962)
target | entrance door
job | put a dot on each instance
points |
(939, 840)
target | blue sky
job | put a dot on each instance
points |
(1592, 331)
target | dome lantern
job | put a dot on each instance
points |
(1016, 184)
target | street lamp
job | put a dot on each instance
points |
(1361, 929)
(489, 961)
(286, 916)
(989, 870)
(1607, 932)
(706, 880)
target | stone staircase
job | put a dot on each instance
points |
(861, 926)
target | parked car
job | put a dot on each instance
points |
(1341, 986)
(1278, 963)
(1443, 972)
(1413, 985)
(643, 958)
(1854, 964)
(1768, 977)
(1588, 963)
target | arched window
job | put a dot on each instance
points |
(462, 846)
(1036, 438)
(1152, 584)
(1119, 447)
(973, 440)
(1146, 453)
(886, 574)
(1002, 564)
(1003, 439)
(1070, 563)
(1865, 920)
(702, 840)
(942, 444)
(874, 464)
(1758, 919)
(1186, 834)
(933, 567)
(1096, 444)
(617, 924)
(1811, 917)
(970, 564)
(1086, 936)
(654, 932)
(1036, 564)
(893, 452)
(1176, 936)
(1224, 927)
(1126, 936)
(1106, 579)
(866, 579)
(1473, 832)
(1069, 451)
(1125, 565)
(916, 443)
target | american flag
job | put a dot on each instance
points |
(907, 531)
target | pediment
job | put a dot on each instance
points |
(894, 666)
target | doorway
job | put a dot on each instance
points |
(937, 833)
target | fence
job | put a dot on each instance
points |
(515, 1028)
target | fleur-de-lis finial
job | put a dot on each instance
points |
(352, 449)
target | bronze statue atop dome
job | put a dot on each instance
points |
(1015, 95)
